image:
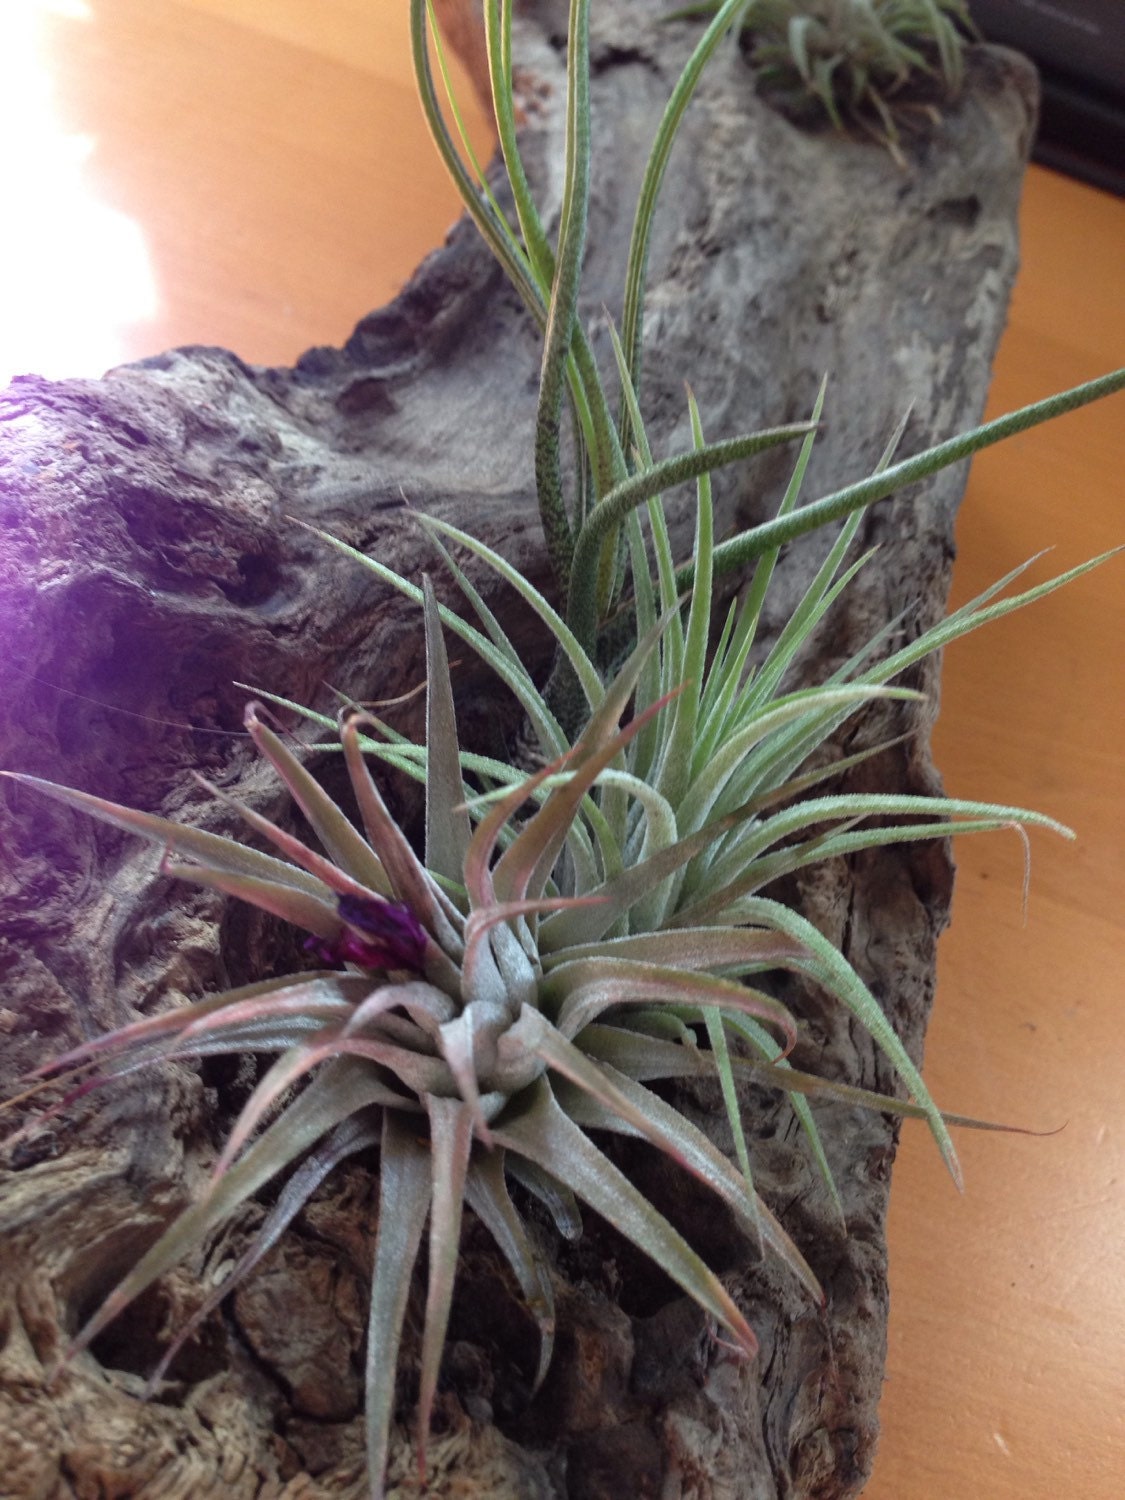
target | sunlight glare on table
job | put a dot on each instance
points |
(76, 276)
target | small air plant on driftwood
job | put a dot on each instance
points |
(484, 1011)
(869, 64)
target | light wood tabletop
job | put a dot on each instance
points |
(1006, 1368)
(254, 173)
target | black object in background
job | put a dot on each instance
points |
(1079, 48)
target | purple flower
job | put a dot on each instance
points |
(378, 935)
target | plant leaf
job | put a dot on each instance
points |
(410, 881)
(582, 990)
(487, 1195)
(831, 969)
(451, 1137)
(405, 1187)
(312, 913)
(447, 821)
(210, 849)
(335, 831)
(749, 545)
(535, 1127)
(355, 1134)
(342, 1090)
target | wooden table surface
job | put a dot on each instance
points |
(254, 173)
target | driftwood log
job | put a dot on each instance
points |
(149, 563)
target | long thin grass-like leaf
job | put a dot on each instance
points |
(513, 674)
(656, 166)
(673, 772)
(731, 876)
(831, 969)
(584, 668)
(563, 305)
(609, 514)
(645, 1058)
(749, 545)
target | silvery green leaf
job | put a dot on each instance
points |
(342, 1090)
(735, 874)
(673, 769)
(739, 949)
(555, 1197)
(210, 849)
(655, 1120)
(728, 757)
(831, 969)
(355, 1134)
(447, 821)
(538, 1129)
(451, 1138)
(345, 846)
(486, 1193)
(581, 991)
(405, 1189)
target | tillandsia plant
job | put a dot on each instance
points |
(571, 934)
(854, 62)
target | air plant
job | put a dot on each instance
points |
(572, 933)
(853, 62)
(522, 984)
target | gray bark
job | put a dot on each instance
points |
(151, 560)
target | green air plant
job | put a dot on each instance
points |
(854, 62)
(572, 934)
(480, 1010)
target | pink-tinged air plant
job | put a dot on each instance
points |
(516, 988)
(457, 1035)
(570, 937)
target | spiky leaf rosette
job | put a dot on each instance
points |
(441, 1037)
(721, 791)
(569, 937)
(854, 61)
(524, 982)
